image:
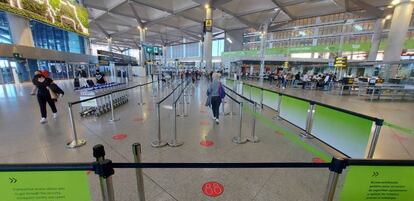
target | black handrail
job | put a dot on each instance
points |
(114, 91)
(93, 165)
(245, 98)
(173, 91)
(182, 91)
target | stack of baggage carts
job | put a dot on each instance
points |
(101, 105)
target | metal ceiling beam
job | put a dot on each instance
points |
(283, 9)
(256, 11)
(171, 13)
(102, 29)
(371, 10)
(107, 10)
(137, 18)
(242, 20)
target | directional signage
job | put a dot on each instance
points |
(341, 62)
(378, 183)
(44, 186)
(208, 25)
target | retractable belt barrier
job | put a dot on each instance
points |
(350, 133)
(159, 142)
(372, 172)
(76, 142)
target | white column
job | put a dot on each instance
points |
(164, 55)
(262, 50)
(201, 46)
(109, 40)
(20, 30)
(142, 41)
(184, 48)
(397, 35)
(376, 39)
(398, 31)
(208, 43)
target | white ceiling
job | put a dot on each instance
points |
(169, 21)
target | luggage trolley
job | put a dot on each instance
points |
(102, 104)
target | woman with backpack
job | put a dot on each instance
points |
(215, 95)
(44, 96)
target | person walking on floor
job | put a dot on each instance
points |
(44, 96)
(215, 94)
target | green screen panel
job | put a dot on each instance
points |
(256, 94)
(45, 186)
(246, 91)
(270, 99)
(346, 132)
(294, 111)
(229, 83)
(377, 183)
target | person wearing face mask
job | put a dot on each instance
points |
(42, 84)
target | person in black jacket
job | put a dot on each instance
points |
(42, 84)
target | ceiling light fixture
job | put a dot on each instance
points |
(388, 17)
(395, 2)
(229, 40)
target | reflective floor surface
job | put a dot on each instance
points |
(24, 139)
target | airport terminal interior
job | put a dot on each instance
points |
(196, 100)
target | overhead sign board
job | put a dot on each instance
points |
(44, 186)
(341, 62)
(208, 25)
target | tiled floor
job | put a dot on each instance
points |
(23, 139)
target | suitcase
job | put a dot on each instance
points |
(90, 83)
(76, 83)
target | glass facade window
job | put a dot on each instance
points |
(48, 37)
(218, 47)
(5, 36)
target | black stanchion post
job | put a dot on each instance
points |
(136, 150)
(336, 168)
(140, 96)
(105, 171)
(254, 138)
(309, 121)
(238, 139)
(375, 136)
(111, 99)
(75, 141)
(279, 102)
(158, 142)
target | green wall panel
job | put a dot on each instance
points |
(270, 99)
(294, 111)
(346, 132)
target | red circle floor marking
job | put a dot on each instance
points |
(213, 189)
(203, 111)
(318, 160)
(119, 136)
(206, 143)
(204, 123)
(279, 133)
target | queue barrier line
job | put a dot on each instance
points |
(105, 169)
(372, 132)
(404, 130)
(76, 142)
(288, 135)
(158, 142)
